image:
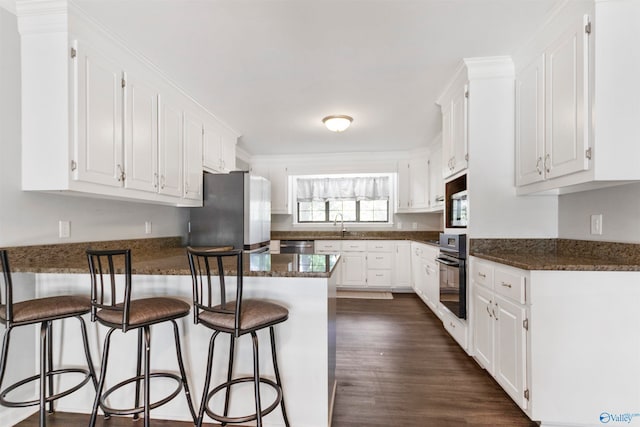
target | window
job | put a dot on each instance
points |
(362, 198)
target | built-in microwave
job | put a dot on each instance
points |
(459, 213)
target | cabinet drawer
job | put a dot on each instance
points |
(379, 246)
(354, 246)
(379, 277)
(379, 260)
(483, 274)
(334, 246)
(510, 284)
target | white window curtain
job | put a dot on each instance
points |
(347, 188)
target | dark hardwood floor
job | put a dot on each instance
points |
(396, 367)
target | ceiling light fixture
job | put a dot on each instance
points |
(337, 123)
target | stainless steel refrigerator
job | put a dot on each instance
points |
(236, 211)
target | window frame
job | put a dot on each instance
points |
(391, 202)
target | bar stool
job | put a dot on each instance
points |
(236, 318)
(117, 311)
(43, 311)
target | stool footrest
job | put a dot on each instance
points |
(9, 389)
(242, 419)
(140, 409)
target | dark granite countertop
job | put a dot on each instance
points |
(559, 254)
(162, 256)
(417, 236)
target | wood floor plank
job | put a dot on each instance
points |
(396, 367)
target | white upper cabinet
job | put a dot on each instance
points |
(551, 110)
(193, 143)
(576, 120)
(170, 148)
(141, 135)
(436, 182)
(280, 179)
(219, 148)
(413, 184)
(100, 120)
(98, 104)
(453, 103)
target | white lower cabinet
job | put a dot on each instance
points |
(426, 282)
(500, 325)
(370, 264)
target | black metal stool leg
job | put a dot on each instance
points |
(138, 371)
(87, 352)
(103, 372)
(43, 372)
(147, 383)
(227, 395)
(50, 363)
(207, 378)
(256, 379)
(5, 353)
(183, 373)
(277, 373)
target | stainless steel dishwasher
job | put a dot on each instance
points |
(296, 247)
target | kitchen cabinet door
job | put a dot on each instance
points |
(404, 186)
(170, 148)
(483, 327)
(436, 182)
(566, 106)
(280, 184)
(354, 269)
(510, 356)
(417, 278)
(141, 135)
(228, 152)
(459, 131)
(193, 142)
(99, 99)
(432, 283)
(402, 267)
(413, 185)
(530, 123)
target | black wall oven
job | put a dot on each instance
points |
(453, 273)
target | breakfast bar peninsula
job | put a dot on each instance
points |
(306, 342)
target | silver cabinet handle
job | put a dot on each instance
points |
(547, 161)
(489, 311)
(155, 180)
(484, 276)
(506, 285)
(538, 165)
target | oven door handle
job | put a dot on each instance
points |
(447, 262)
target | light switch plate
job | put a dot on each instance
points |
(64, 229)
(596, 224)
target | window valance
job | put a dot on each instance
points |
(344, 188)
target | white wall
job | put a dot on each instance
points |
(620, 209)
(32, 218)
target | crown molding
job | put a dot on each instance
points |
(9, 5)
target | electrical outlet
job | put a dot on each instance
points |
(64, 229)
(596, 224)
(147, 227)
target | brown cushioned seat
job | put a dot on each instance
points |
(48, 308)
(255, 314)
(147, 311)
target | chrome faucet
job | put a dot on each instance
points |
(335, 222)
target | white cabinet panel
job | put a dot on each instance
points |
(483, 328)
(141, 135)
(413, 185)
(402, 265)
(566, 121)
(510, 357)
(354, 269)
(530, 123)
(193, 140)
(98, 144)
(170, 148)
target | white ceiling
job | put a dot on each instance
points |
(272, 69)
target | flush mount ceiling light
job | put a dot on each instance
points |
(337, 123)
